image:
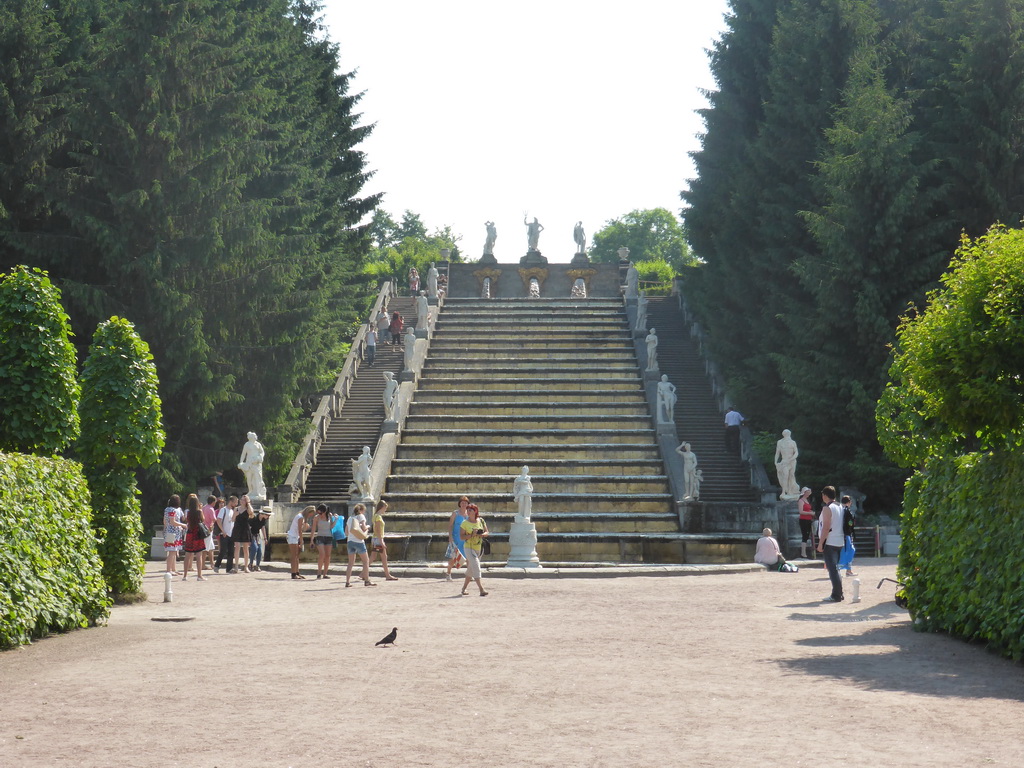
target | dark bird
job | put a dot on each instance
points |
(390, 639)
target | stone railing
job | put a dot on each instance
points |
(329, 408)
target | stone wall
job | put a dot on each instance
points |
(511, 281)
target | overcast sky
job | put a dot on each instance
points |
(562, 110)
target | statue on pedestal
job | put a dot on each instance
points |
(641, 312)
(410, 348)
(580, 237)
(432, 276)
(522, 490)
(251, 463)
(422, 311)
(492, 235)
(691, 475)
(533, 230)
(652, 350)
(361, 473)
(632, 282)
(390, 391)
(786, 453)
(666, 401)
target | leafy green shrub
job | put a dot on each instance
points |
(657, 271)
(961, 553)
(50, 578)
(121, 430)
(38, 383)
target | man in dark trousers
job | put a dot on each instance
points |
(733, 421)
(831, 540)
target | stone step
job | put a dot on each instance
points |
(510, 369)
(595, 547)
(443, 382)
(499, 503)
(532, 395)
(532, 422)
(546, 522)
(599, 356)
(526, 408)
(528, 437)
(506, 338)
(510, 467)
(475, 484)
(526, 452)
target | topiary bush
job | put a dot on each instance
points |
(38, 371)
(50, 573)
(961, 553)
(121, 431)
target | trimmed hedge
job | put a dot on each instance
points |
(962, 549)
(50, 577)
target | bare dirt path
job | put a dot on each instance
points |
(715, 670)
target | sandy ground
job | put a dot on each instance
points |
(714, 670)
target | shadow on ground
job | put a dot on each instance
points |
(926, 664)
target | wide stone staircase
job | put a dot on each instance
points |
(358, 424)
(698, 419)
(548, 383)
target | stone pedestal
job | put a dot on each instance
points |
(533, 259)
(580, 258)
(422, 333)
(487, 258)
(406, 375)
(522, 541)
(388, 426)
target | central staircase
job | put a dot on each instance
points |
(548, 383)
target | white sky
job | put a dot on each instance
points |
(564, 110)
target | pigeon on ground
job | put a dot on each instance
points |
(390, 639)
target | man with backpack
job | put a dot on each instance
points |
(830, 540)
(846, 558)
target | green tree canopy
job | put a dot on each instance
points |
(955, 383)
(39, 387)
(652, 234)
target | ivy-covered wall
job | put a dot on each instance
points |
(962, 552)
(50, 572)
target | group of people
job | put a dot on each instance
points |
(233, 530)
(386, 328)
(241, 533)
(834, 535)
(321, 527)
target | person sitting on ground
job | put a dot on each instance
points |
(767, 551)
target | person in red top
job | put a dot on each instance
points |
(806, 518)
(396, 328)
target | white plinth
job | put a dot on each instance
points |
(522, 540)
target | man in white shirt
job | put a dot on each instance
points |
(733, 421)
(831, 540)
(225, 525)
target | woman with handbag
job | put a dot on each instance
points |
(357, 534)
(473, 532)
(456, 552)
(195, 537)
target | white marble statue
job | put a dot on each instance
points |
(410, 348)
(492, 235)
(580, 236)
(652, 350)
(432, 276)
(641, 312)
(361, 472)
(533, 230)
(522, 490)
(785, 465)
(534, 288)
(632, 282)
(666, 401)
(691, 475)
(422, 311)
(251, 463)
(390, 391)
(579, 289)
